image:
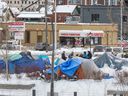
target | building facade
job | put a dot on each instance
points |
(70, 32)
(22, 4)
(100, 33)
(105, 14)
(88, 2)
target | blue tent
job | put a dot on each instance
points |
(26, 64)
(2, 65)
(68, 67)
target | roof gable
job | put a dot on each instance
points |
(31, 15)
(65, 8)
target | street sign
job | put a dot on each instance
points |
(18, 26)
(19, 35)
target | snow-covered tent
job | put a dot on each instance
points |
(26, 64)
(111, 60)
(79, 67)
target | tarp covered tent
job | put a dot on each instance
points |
(111, 60)
(80, 67)
(2, 65)
(58, 61)
(45, 58)
(68, 67)
(89, 68)
(27, 65)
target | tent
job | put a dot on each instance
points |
(111, 60)
(27, 64)
(80, 67)
(2, 65)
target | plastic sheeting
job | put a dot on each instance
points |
(111, 60)
(68, 67)
(26, 65)
(45, 58)
(14, 57)
(2, 65)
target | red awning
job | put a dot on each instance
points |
(81, 33)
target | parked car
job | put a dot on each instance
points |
(99, 48)
(42, 46)
(9, 45)
(117, 50)
(108, 49)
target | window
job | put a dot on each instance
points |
(18, 2)
(112, 2)
(25, 2)
(59, 17)
(27, 37)
(93, 2)
(95, 17)
(106, 2)
(60, 2)
(15, 2)
(125, 18)
(39, 38)
(10, 2)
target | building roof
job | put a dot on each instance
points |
(31, 15)
(14, 11)
(49, 10)
(65, 8)
(3, 6)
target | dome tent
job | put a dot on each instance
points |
(110, 60)
(80, 67)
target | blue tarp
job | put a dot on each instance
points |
(45, 58)
(26, 64)
(68, 67)
(2, 65)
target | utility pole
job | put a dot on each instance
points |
(121, 21)
(46, 25)
(53, 54)
(55, 33)
(6, 54)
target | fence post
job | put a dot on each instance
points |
(33, 92)
(75, 93)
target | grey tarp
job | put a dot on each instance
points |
(89, 67)
(111, 61)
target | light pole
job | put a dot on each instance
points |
(90, 37)
(121, 21)
(107, 37)
(55, 33)
(46, 26)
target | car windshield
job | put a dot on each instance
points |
(117, 50)
(99, 48)
(108, 49)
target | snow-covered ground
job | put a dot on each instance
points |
(62, 87)
(83, 87)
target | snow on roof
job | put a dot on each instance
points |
(3, 5)
(14, 10)
(49, 10)
(30, 15)
(65, 8)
